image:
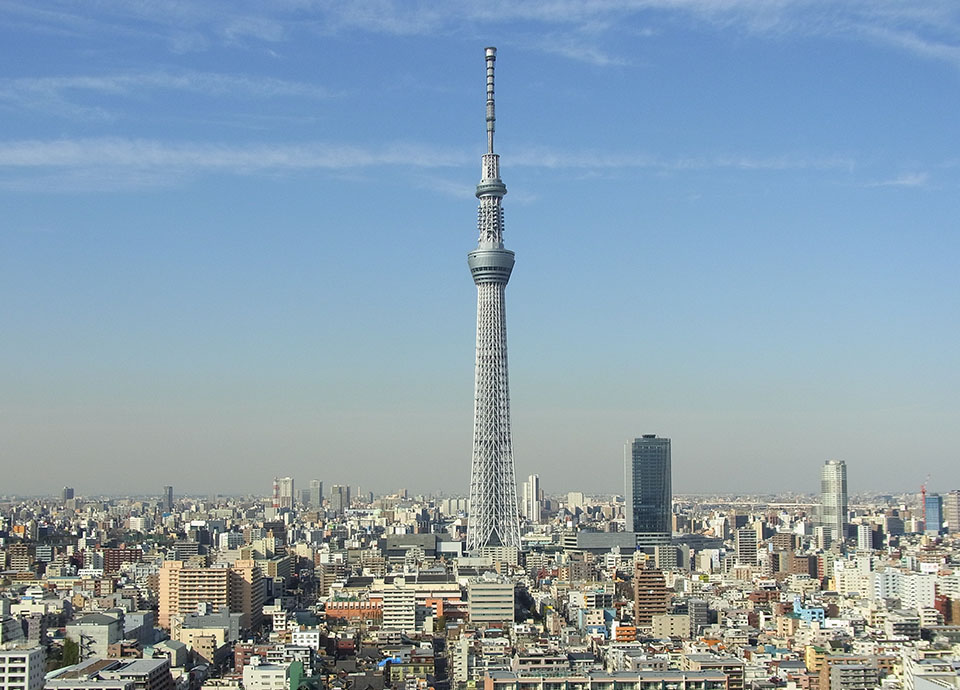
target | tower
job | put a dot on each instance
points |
(833, 497)
(494, 518)
(167, 499)
(649, 490)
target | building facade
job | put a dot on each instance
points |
(833, 498)
(649, 491)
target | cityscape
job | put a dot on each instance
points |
(694, 558)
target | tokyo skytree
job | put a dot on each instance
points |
(494, 516)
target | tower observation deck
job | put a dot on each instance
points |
(494, 515)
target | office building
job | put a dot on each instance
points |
(833, 498)
(532, 505)
(316, 493)
(490, 599)
(494, 515)
(745, 543)
(339, 498)
(400, 606)
(649, 493)
(951, 511)
(283, 493)
(933, 514)
(865, 537)
(166, 499)
(67, 493)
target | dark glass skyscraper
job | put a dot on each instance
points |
(933, 514)
(649, 491)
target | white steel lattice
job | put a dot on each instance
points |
(494, 515)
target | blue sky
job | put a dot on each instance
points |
(233, 241)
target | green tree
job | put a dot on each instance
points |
(71, 652)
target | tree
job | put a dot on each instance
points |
(71, 652)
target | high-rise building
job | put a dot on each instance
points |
(339, 498)
(951, 511)
(284, 492)
(649, 492)
(532, 504)
(745, 543)
(833, 497)
(240, 588)
(933, 514)
(67, 493)
(650, 594)
(494, 516)
(865, 541)
(167, 499)
(316, 493)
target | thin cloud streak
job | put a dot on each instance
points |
(149, 154)
(914, 179)
(58, 94)
(930, 29)
(145, 153)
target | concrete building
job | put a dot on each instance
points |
(262, 676)
(490, 599)
(650, 594)
(745, 544)
(183, 590)
(610, 680)
(833, 498)
(531, 504)
(951, 511)
(113, 674)
(21, 668)
(284, 495)
(399, 606)
(316, 493)
(94, 633)
(339, 498)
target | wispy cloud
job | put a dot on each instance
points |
(101, 163)
(912, 179)
(65, 94)
(582, 28)
(146, 154)
(546, 158)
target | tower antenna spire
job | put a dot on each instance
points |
(491, 54)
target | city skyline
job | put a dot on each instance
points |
(232, 243)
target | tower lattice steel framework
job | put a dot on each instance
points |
(494, 517)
